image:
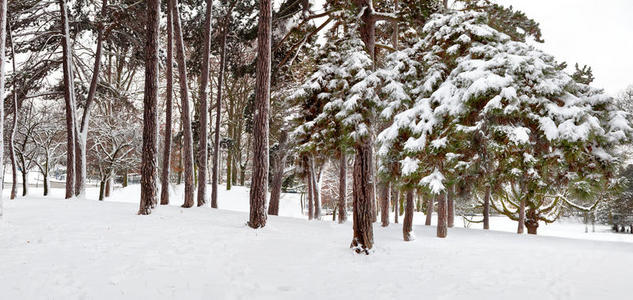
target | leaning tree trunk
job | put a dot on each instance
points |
(429, 210)
(450, 208)
(385, 197)
(407, 223)
(187, 153)
(203, 159)
(82, 131)
(149, 154)
(69, 97)
(441, 215)
(259, 183)
(279, 162)
(363, 192)
(342, 189)
(487, 208)
(164, 177)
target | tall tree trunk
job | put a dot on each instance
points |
(429, 210)
(218, 116)
(441, 215)
(487, 208)
(164, 177)
(363, 192)
(385, 198)
(149, 154)
(14, 123)
(278, 162)
(450, 208)
(407, 222)
(342, 188)
(395, 197)
(203, 158)
(187, 153)
(3, 39)
(315, 189)
(259, 182)
(82, 130)
(69, 97)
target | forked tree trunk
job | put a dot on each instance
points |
(149, 154)
(385, 198)
(395, 197)
(450, 208)
(69, 99)
(407, 222)
(259, 183)
(441, 215)
(487, 208)
(164, 177)
(82, 129)
(203, 158)
(278, 162)
(342, 188)
(187, 152)
(363, 192)
(429, 210)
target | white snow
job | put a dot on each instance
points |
(83, 249)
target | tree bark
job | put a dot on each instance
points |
(101, 190)
(310, 188)
(278, 162)
(441, 215)
(429, 210)
(108, 187)
(521, 216)
(395, 197)
(14, 123)
(164, 177)
(259, 182)
(45, 185)
(3, 39)
(203, 158)
(69, 97)
(450, 208)
(531, 222)
(315, 190)
(385, 198)
(342, 189)
(407, 222)
(487, 208)
(363, 192)
(24, 183)
(187, 152)
(150, 116)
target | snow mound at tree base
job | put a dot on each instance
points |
(75, 249)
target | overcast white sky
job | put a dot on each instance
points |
(598, 33)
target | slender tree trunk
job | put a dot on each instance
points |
(310, 188)
(429, 210)
(203, 158)
(229, 164)
(315, 189)
(218, 117)
(521, 216)
(69, 97)
(407, 222)
(14, 123)
(487, 208)
(186, 111)
(149, 154)
(164, 177)
(278, 162)
(385, 198)
(24, 183)
(3, 39)
(450, 208)
(395, 197)
(259, 182)
(342, 189)
(441, 216)
(363, 191)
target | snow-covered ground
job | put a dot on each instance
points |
(84, 249)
